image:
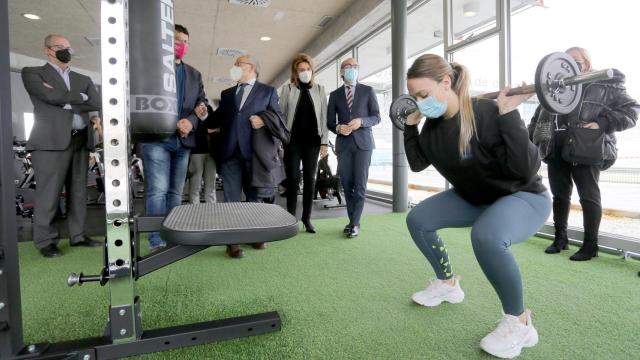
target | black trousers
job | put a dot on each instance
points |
(562, 176)
(293, 154)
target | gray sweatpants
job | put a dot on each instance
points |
(509, 220)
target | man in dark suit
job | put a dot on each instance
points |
(236, 117)
(59, 143)
(352, 111)
(165, 162)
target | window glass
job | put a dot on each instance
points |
(620, 185)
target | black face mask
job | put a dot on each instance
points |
(64, 56)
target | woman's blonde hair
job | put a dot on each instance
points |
(297, 60)
(436, 68)
(585, 55)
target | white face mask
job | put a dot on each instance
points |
(235, 73)
(305, 76)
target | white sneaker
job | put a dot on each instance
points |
(439, 291)
(508, 339)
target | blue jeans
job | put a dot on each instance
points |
(494, 228)
(165, 170)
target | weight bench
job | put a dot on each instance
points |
(187, 229)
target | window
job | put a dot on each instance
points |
(471, 18)
(328, 77)
(620, 183)
(28, 124)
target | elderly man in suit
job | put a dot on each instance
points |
(352, 111)
(166, 161)
(60, 140)
(236, 117)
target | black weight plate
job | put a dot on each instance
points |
(553, 97)
(400, 108)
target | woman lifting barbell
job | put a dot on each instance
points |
(482, 148)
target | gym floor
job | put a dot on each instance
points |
(348, 298)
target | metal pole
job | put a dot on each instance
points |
(124, 323)
(11, 340)
(503, 11)
(399, 85)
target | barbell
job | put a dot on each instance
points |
(558, 85)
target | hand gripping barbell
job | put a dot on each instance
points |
(558, 84)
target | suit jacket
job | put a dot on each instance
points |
(234, 124)
(365, 106)
(193, 95)
(52, 124)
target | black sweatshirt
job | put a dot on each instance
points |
(500, 161)
(304, 131)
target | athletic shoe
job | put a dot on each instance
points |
(511, 335)
(439, 291)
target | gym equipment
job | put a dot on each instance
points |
(154, 101)
(558, 85)
(187, 229)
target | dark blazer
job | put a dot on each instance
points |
(365, 106)
(193, 95)
(234, 124)
(52, 124)
(267, 164)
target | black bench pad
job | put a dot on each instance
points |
(227, 223)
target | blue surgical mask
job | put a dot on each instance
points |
(431, 107)
(351, 75)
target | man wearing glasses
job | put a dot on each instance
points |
(65, 102)
(352, 111)
(236, 117)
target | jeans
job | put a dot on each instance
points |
(165, 170)
(200, 164)
(494, 228)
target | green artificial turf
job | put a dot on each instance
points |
(349, 298)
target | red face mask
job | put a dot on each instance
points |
(181, 49)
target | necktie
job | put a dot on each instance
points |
(349, 97)
(239, 94)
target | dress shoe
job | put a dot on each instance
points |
(259, 246)
(50, 251)
(355, 231)
(87, 241)
(234, 251)
(347, 229)
(308, 226)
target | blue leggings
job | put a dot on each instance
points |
(495, 227)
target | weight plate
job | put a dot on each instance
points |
(400, 108)
(552, 94)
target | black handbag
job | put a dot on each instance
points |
(584, 146)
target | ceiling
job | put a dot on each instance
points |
(212, 24)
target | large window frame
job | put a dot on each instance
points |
(501, 30)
